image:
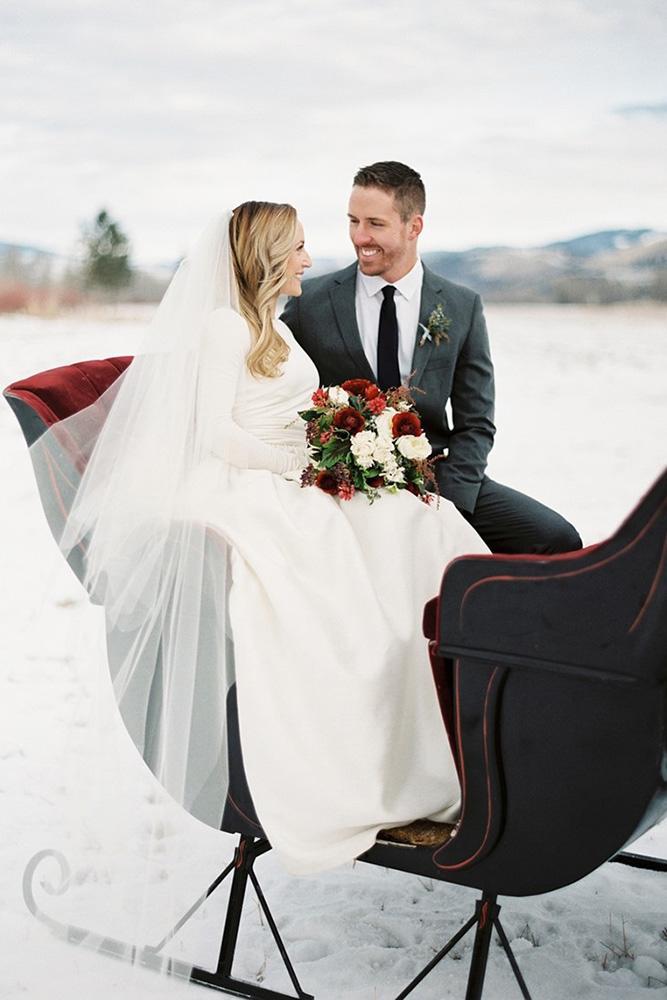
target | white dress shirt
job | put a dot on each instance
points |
(368, 301)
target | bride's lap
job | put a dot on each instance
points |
(256, 504)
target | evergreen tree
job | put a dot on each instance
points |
(106, 254)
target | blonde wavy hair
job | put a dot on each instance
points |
(261, 235)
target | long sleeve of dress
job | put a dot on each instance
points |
(227, 343)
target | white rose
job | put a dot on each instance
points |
(414, 446)
(393, 473)
(383, 422)
(383, 452)
(362, 446)
(337, 395)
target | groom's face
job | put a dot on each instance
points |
(385, 245)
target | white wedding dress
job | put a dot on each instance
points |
(340, 726)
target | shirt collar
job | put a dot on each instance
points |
(408, 285)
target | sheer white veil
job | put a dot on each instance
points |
(160, 576)
(122, 467)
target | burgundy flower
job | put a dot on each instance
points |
(320, 397)
(411, 488)
(405, 423)
(356, 386)
(312, 430)
(349, 419)
(399, 395)
(309, 475)
(376, 482)
(377, 405)
(342, 473)
(327, 481)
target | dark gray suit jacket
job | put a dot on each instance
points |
(323, 321)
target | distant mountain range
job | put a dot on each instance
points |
(606, 266)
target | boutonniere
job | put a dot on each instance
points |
(436, 327)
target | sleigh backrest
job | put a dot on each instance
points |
(50, 396)
(552, 677)
(46, 400)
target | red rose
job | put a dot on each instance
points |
(377, 405)
(372, 391)
(349, 419)
(327, 481)
(355, 386)
(376, 482)
(320, 397)
(346, 491)
(405, 423)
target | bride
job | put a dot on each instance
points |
(311, 604)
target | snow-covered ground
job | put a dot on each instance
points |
(582, 423)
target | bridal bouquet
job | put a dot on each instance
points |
(363, 439)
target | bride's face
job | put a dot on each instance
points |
(297, 263)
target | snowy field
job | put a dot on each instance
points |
(582, 421)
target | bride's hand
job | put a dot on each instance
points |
(293, 474)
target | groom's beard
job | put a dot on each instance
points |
(394, 261)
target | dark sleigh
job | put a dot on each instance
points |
(551, 674)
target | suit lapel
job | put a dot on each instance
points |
(431, 289)
(342, 300)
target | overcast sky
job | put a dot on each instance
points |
(529, 120)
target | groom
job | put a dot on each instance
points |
(389, 318)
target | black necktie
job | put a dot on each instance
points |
(389, 376)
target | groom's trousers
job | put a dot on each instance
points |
(509, 521)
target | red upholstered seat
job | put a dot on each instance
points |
(44, 400)
(59, 392)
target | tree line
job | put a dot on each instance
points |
(103, 270)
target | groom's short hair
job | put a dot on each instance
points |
(403, 182)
